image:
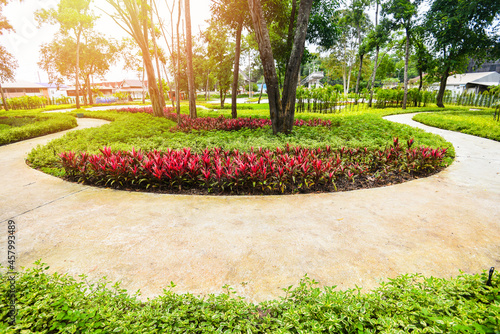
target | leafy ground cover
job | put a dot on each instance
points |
(143, 132)
(55, 303)
(21, 125)
(474, 122)
(290, 170)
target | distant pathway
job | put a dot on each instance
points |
(434, 226)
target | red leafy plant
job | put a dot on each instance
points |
(221, 123)
(259, 171)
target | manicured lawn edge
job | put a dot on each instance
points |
(55, 303)
(473, 122)
(43, 124)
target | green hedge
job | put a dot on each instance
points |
(21, 125)
(409, 303)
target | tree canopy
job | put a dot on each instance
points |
(459, 30)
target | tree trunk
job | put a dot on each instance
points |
(4, 101)
(421, 81)
(189, 47)
(236, 72)
(207, 87)
(361, 56)
(374, 74)
(293, 67)
(154, 93)
(142, 83)
(407, 57)
(267, 58)
(158, 69)
(77, 69)
(89, 90)
(291, 24)
(442, 87)
(177, 84)
(84, 92)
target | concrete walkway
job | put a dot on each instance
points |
(434, 226)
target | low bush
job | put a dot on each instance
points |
(290, 170)
(55, 303)
(16, 126)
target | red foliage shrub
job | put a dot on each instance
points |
(220, 123)
(288, 170)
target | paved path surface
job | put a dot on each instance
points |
(435, 226)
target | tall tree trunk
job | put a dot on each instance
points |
(267, 58)
(154, 93)
(4, 101)
(142, 83)
(169, 84)
(407, 57)
(189, 47)
(421, 80)
(291, 24)
(442, 87)
(84, 92)
(222, 97)
(207, 87)
(236, 72)
(374, 74)
(89, 90)
(361, 56)
(293, 67)
(177, 83)
(158, 69)
(77, 69)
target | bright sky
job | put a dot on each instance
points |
(25, 43)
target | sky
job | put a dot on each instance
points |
(25, 43)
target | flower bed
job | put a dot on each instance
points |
(220, 123)
(279, 171)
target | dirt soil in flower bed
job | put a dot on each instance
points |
(363, 182)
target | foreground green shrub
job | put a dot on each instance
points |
(16, 126)
(407, 304)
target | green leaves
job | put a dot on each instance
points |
(25, 125)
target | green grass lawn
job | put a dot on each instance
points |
(474, 122)
(20, 124)
(145, 132)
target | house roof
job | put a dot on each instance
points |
(132, 83)
(480, 78)
(22, 84)
(52, 85)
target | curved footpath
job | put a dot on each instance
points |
(434, 226)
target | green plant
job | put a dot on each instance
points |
(474, 122)
(56, 303)
(24, 125)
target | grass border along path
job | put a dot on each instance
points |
(470, 121)
(31, 124)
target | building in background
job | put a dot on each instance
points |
(24, 88)
(469, 82)
(55, 91)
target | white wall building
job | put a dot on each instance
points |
(469, 82)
